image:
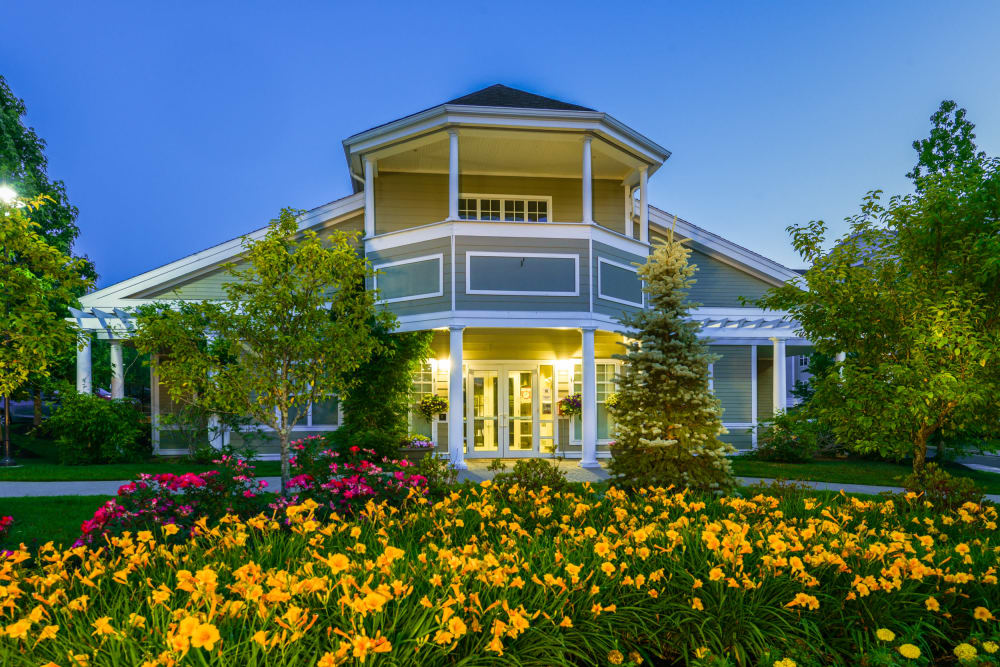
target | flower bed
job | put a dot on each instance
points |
(514, 577)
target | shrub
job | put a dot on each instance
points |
(344, 481)
(154, 501)
(5, 523)
(531, 474)
(438, 472)
(942, 490)
(785, 438)
(492, 576)
(89, 429)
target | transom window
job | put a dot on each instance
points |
(506, 208)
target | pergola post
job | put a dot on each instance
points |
(588, 182)
(117, 369)
(589, 401)
(456, 400)
(84, 368)
(779, 383)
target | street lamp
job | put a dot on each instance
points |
(8, 196)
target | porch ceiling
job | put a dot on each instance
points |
(521, 152)
(482, 344)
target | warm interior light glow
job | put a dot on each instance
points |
(8, 195)
(444, 365)
(564, 364)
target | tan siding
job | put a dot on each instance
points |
(404, 200)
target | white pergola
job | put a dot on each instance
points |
(114, 327)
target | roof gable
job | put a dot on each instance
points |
(499, 95)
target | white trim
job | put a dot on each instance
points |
(753, 395)
(600, 289)
(549, 216)
(482, 253)
(726, 251)
(424, 258)
(534, 230)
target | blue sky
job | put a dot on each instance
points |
(179, 125)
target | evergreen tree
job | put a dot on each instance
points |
(667, 421)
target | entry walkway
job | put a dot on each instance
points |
(477, 472)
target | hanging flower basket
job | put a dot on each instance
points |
(430, 406)
(571, 406)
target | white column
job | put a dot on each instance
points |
(84, 368)
(453, 174)
(643, 205)
(589, 402)
(369, 197)
(779, 381)
(588, 183)
(628, 210)
(456, 400)
(753, 395)
(117, 370)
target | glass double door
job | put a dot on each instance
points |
(502, 407)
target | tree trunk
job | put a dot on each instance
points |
(37, 396)
(285, 471)
(920, 450)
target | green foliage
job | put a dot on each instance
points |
(295, 327)
(89, 429)
(440, 473)
(793, 437)
(667, 421)
(376, 405)
(530, 475)
(950, 146)
(912, 294)
(33, 276)
(942, 490)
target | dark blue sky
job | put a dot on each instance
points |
(180, 125)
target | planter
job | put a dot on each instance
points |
(414, 454)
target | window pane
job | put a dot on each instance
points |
(489, 209)
(325, 413)
(513, 210)
(467, 209)
(538, 211)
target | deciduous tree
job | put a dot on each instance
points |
(294, 328)
(911, 294)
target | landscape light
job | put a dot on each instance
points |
(8, 195)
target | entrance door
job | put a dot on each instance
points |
(501, 412)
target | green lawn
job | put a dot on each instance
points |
(39, 470)
(853, 471)
(41, 519)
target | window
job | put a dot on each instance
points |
(509, 208)
(605, 387)
(325, 413)
(408, 279)
(422, 385)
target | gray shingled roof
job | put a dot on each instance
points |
(499, 95)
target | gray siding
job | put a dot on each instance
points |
(432, 247)
(765, 391)
(720, 285)
(463, 301)
(732, 381)
(605, 306)
(739, 438)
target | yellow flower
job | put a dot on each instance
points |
(328, 660)
(962, 549)
(701, 652)
(909, 651)
(696, 604)
(566, 622)
(784, 662)
(965, 651)
(634, 656)
(715, 574)
(608, 568)
(79, 659)
(615, 657)
(170, 529)
(136, 621)
(19, 630)
(48, 632)
(990, 647)
(205, 636)
(932, 604)
(188, 626)
(885, 634)
(102, 626)
(261, 638)
(456, 627)
(179, 643)
(982, 614)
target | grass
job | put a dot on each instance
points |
(853, 471)
(38, 520)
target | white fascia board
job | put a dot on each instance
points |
(539, 230)
(510, 319)
(728, 252)
(212, 257)
(447, 115)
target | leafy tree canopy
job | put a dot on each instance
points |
(33, 276)
(911, 294)
(294, 329)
